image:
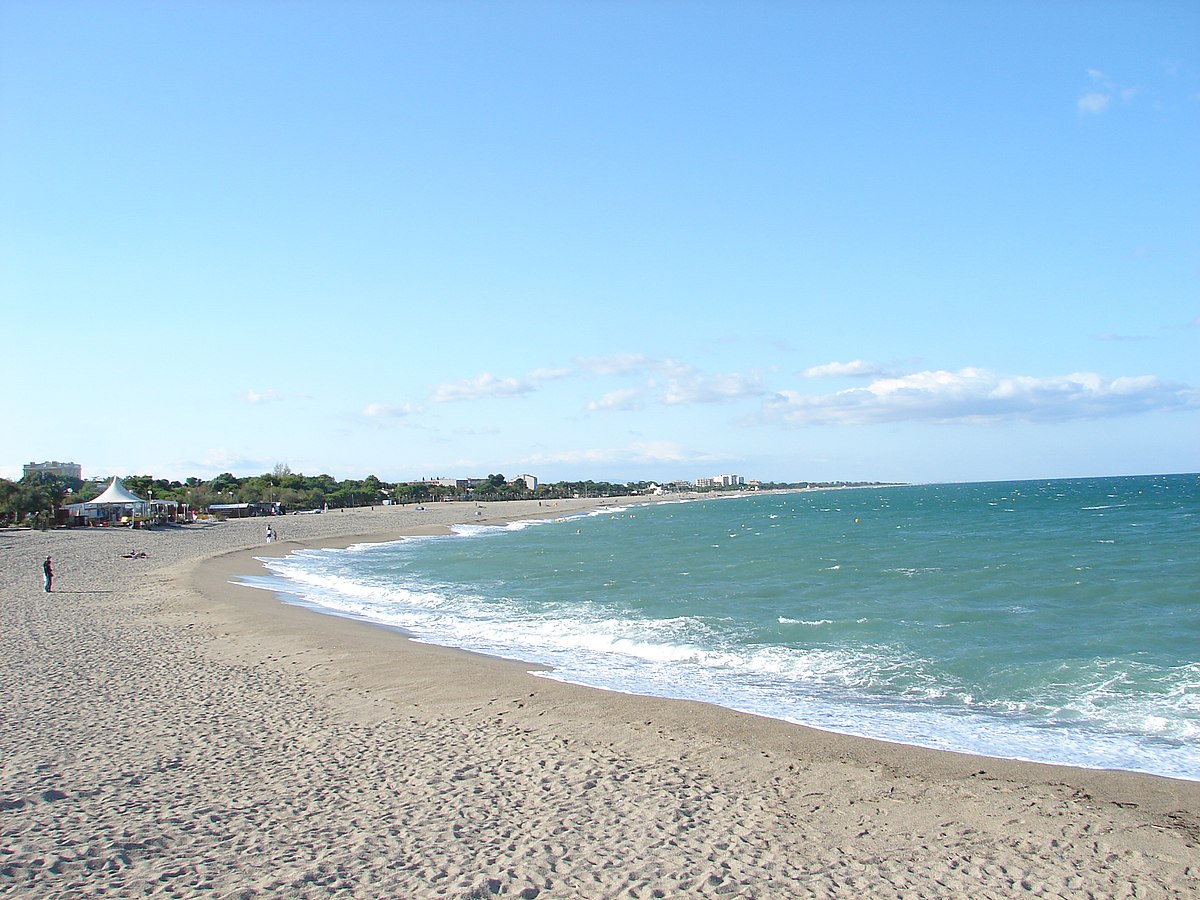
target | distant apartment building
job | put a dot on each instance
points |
(461, 484)
(720, 481)
(468, 484)
(54, 467)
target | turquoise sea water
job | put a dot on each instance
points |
(1056, 621)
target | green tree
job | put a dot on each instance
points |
(140, 485)
(48, 491)
(253, 490)
(226, 482)
(372, 490)
(26, 499)
(200, 497)
(10, 500)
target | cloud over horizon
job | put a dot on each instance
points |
(698, 388)
(481, 386)
(980, 396)
(389, 411)
(632, 364)
(624, 399)
(635, 453)
(855, 369)
(969, 394)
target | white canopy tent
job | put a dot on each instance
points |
(116, 502)
(115, 494)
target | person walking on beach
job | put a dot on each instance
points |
(47, 575)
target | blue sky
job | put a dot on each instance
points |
(862, 241)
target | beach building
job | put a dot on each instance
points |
(245, 510)
(531, 481)
(169, 511)
(116, 505)
(54, 467)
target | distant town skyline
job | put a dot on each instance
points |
(826, 242)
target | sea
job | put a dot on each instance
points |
(1056, 621)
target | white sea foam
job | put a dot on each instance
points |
(784, 620)
(768, 681)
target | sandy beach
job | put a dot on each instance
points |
(165, 732)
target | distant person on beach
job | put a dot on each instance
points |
(270, 534)
(47, 575)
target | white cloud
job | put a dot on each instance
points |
(856, 369)
(632, 364)
(217, 459)
(711, 388)
(661, 451)
(1094, 102)
(977, 395)
(481, 386)
(486, 385)
(638, 452)
(1097, 100)
(268, 396)
(540, 375)
(386, 411)
(616, 400)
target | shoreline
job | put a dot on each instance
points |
(246, 564)
(210, 738)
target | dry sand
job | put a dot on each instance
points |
(163, 732)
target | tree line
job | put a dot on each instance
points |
(36, 498)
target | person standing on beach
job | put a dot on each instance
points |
(47, 575)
